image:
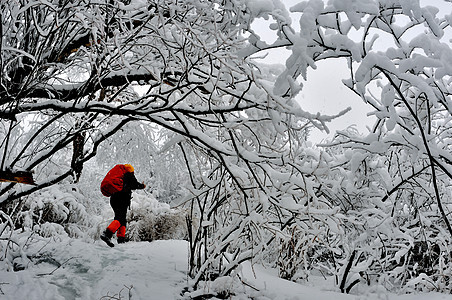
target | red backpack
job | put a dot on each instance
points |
(113, 181)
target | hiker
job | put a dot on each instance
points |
(118, 185)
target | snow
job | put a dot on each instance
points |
(87, 269)
(59, 267)
(91, 270)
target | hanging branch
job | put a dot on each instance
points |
(426, 146)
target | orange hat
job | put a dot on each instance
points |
(129, 168)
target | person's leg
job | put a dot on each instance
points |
(121, 215)
(108, 233)
(115, 202)
(121, 234)
(113, 227)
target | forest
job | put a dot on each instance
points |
(179, 89)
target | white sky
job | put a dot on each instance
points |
(323, 91)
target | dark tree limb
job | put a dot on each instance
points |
(24, 177)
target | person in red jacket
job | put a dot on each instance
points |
(118, 185)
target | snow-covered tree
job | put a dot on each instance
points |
(77, 62)
(392, 184)
(70, 71)
(178, 81)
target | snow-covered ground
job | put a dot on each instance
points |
(154, 270)
(76, 269)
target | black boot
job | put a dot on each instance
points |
(106, 237)
(121, 240)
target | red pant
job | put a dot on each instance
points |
(116, 226)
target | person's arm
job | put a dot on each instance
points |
(132, 183)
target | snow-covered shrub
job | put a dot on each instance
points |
(223, 287)
(150, 220)
(55, 210)
(19, 248)
(298, 255)
(394, 235)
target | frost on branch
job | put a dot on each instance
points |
(391, 184)
(175, 82)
